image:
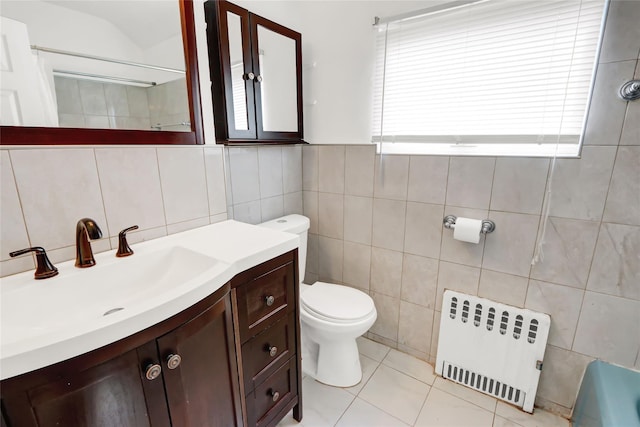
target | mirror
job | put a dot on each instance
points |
(277, 59)
(239, 93)
(133, 81)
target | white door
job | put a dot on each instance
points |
(21, 99)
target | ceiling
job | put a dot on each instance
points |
(145, 22)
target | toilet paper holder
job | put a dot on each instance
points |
(488, 226)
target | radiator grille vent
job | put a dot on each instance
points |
(481, 346)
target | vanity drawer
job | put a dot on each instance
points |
(271, 396)
(265, 352)
(264, 300)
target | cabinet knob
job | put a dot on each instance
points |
(173, 361)
(249, 76)
(152, 371)
(269, 300)
(272, 349)
(259, 78)
(274, 395)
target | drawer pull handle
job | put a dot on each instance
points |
(273, 350)
(274, 395)
(152, 371)
(173, 361)
(269, 300)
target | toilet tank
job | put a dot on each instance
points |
(296, 224)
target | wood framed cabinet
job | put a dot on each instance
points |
(181, 372)
(232, 359)
(256, 76)
(265, 303)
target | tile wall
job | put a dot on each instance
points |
(263, 182)
(45, 191)
(376, 224)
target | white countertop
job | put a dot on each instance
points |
(56, 333)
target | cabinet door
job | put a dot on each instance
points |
(231, 67)
(110, 394)
(277, 63)
(202, 385)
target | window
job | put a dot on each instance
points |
(495, 77)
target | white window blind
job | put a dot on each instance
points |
(488, 76)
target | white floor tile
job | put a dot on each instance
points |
(410, 365)
(539, 418)
(368, 368)
(480, 399)
(395, 393)
(363, 414)
(498, 421)
(445, 410)
(288, 421)
(323, 405)
(372, 349)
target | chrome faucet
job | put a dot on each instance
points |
(86, 229)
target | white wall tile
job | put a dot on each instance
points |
(504, 288)
(562, 303)
(293, 203)
(622, 33)
(608, 328)
(270, 171)
(179, 227)
(331, 172)
(470, 181)
(249, 212)
(310, 209)
(456, 277)
(623, 200)
(57, 187)
(509, 248)
(184, 189)
(419, 280)
(388, 309)
(271, 208)
(357, 265)
(331, 215)
(423, 229)
(607, 109)
(561, 376)
(391, 177)
(616, 263)
(359, 170)
(292, 168)
(428, 179)
(631, 127)
(130, 182)
(519, 185)
(310, 166)
(414, 326)
(386, 272)
(330, 259)
(388, 223)
(92, 97)
(579, 186)
(358, 217)
(215, 173)
(568, 250)
(245, 179)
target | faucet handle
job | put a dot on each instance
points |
(44, 268)
(123, 246)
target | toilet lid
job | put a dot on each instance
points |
(336, 301)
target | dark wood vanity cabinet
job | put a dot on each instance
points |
(232, 359)
(266, 310)
(256, 76)
(133, 383)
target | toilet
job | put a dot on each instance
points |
(332, 317)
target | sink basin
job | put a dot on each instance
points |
(83, 299)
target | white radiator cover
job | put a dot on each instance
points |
(491, 347)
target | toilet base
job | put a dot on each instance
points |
(335, 363)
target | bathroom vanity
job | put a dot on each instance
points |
(221, 350)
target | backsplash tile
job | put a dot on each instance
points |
(359, 170)
(391, 177)
(519, 184)
(428, 179)
(14, 232)
(331, 168)
(270, 171)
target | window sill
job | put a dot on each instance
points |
(507, 150)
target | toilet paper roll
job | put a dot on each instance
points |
(467, 230)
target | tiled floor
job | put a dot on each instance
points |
(400, 390)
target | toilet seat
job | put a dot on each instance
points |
(336, 303)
